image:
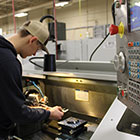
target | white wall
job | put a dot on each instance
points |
(93, 12)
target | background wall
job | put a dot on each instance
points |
(79, 23)
(93, 12)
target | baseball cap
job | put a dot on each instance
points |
(38, 29)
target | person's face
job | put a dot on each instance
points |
(32, 47)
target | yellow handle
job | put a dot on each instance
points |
(121, 29)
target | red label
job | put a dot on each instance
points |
(122, 93)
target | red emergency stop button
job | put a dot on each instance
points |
(117, 29)
(113, 29)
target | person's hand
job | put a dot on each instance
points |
(56, 113)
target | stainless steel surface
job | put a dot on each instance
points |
(33, 75)
(85, 74)
(61, 91)
(101, 70)
(107, 129)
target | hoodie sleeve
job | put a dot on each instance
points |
(12, 98)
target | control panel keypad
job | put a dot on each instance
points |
(134, 64)
(134, 92)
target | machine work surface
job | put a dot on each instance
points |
(107, 128)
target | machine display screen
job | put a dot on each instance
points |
(134, 7)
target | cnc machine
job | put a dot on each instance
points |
(122, 121)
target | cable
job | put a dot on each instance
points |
(98, 47)
(50, 27)
(113, 12)
(30, 60)
(35, 85)
(47, 16)
(113, 15)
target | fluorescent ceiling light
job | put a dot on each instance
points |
(21, 14)
(137, 3)
(61, 4)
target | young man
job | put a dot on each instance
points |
(31, 37)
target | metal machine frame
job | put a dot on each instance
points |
(127, 64)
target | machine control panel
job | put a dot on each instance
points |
(127, 59)
(134, 92)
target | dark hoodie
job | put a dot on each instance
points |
(12, 108)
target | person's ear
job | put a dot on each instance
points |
(32, 39)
